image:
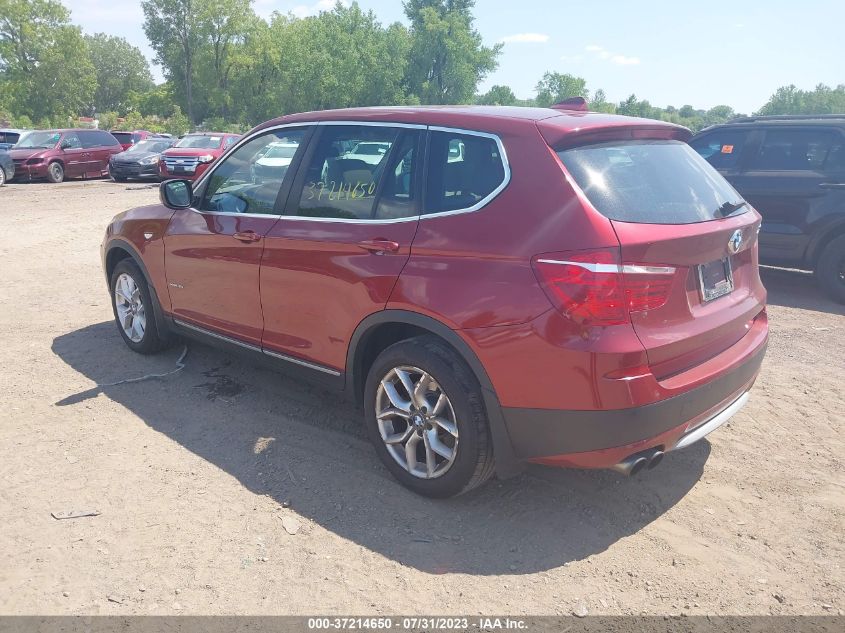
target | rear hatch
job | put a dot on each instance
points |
(688, 246)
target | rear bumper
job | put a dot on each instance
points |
(600, 439)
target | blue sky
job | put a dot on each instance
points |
(701, 53)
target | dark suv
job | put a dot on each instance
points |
(491, 285)
(792, 169)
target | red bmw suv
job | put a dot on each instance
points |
(491, 285)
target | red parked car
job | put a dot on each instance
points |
(128, 139)
(499, 285)
(59, 154)
(193, 153)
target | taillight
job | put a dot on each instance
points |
(595, 288)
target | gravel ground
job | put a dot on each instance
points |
(201, 476)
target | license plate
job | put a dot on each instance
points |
(182, 169)
(715, 279)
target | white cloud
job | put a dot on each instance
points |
(600, 52)
(521, 38)
(625, 61)
(571, 58)
(305, 10)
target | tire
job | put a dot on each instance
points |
(116, 178)
(55, 173)
(831, 269)
(2, 176)
(135, 318)
(462, 430)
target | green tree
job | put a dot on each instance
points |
(791, 100)
(175, 31)
(333, 60)
(718, 114)
(497, 95)
(633, 107)
(554, 87)
(599, 103)
(223, 26)
(158, 101)
(121, 70)
(447, 57)
(44, 63)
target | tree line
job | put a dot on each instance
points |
(227, 68)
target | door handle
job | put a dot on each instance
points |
(379, 246)
(246, 236)
(832, 185)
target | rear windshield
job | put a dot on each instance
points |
(123, 137)
(651, 182)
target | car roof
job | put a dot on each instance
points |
(70, 129)
(827, 120)
(479, 118)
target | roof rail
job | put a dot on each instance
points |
(578, 104)
(785, 117)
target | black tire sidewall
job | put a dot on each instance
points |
(2, 176)
(458, 386)
(50, 173)
(829, 268)
(150, 342)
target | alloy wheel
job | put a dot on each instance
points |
(416, 422)
(131, 313)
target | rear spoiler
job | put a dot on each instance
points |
(622, 129)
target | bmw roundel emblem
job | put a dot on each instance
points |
(735, 242)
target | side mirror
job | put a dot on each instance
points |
(65, 144)
(176, 194)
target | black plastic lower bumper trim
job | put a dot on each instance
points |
(549, 432)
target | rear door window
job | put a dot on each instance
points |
(92, 139)
(797, 150)
(651, 182)
(399, 193)
(463, 170)
(340, 183)
(721, 148)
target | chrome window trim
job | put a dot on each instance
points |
(411, 126)
(503, 156)
(414, 218)
(255, 348)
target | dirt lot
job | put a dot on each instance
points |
(192, 474)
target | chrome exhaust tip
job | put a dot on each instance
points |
(633, 464)
(630, 466)
(655, 459)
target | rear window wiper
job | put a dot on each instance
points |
(730, 207)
